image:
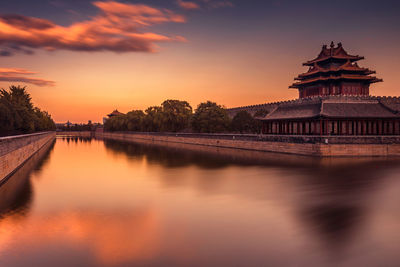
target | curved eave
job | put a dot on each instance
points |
(324, 116)
(368, 79)
(362, 71)
(317, 60)
(376, 80)
(291, 118)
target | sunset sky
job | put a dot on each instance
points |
(81, 59)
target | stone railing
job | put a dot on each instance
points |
(326, 146)
(15, 150)
(299, 139)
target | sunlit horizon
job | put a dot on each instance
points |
(235, 54)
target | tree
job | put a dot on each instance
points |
(18, 115)
(243, 122)
(6, 117)
(43, 120)
(176, 115)
(134, 120)
(210, 118)
(116, 123)
(153, 119)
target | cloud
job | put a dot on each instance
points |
(19, 75)
(188, 5)
(118, 27)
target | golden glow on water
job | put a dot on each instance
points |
(111, 238)
(95, 203)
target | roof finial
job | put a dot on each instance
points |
(332, 45)
(339, 44)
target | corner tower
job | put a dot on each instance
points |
(334, 72)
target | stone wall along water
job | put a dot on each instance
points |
(15, 150)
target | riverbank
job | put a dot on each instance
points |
(16, 150)
(321, 146)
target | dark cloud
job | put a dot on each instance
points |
(21, 75)
(118, 27)
(5, 53)
(23, 22)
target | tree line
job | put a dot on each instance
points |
(77, 127)
(178, 116)
(19, 116)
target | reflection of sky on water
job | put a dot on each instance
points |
(90, 203)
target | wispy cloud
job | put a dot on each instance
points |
(188, 5)
(21, 75)
(118, 27)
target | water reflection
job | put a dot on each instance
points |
(181, 155)
(75, 139)
(113, 238)
(16, 192)
(109, 203)
(332, 197)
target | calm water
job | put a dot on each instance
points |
(93, 203)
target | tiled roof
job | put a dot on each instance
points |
(333, 64)
(356, 110)
(337, 107)
(370, 79)
(115, 113)
(332, 52)
(299, 111)
(348, 66)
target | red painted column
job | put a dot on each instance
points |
(393, 128)
(362, 127)
(326, 127)
(320, 127)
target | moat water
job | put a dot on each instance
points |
(87, 202)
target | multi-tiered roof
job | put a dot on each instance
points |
(115, 113)
(334, 72)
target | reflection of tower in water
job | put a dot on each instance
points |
(332, 195)
(335, 201)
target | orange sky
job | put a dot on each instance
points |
(225, 59)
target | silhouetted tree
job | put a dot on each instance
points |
(18, 115)
(116, 123)
(134, 120)
(176, 115)
(243, 122)
(210, 118)
(153, 119)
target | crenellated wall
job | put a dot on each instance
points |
(311, 146)
(15, 150)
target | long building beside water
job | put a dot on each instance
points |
(334, 99)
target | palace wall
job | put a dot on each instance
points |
(15, 150)
(300, 145)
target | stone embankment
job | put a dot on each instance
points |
(322, 146)
(16, 150)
